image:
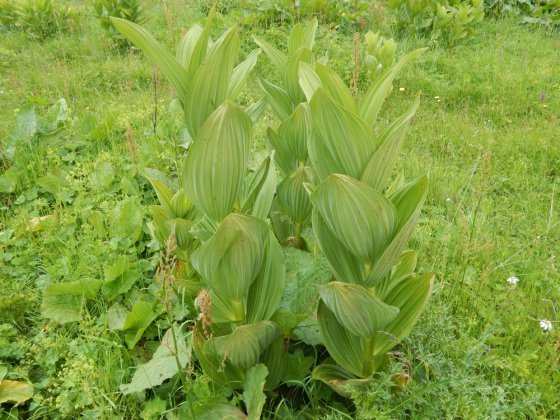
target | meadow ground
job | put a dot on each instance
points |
(487, 133)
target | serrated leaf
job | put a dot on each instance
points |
(246, 343)
(253, 395)
(215, 166)
(356, 308)
(169, 357)
(342, 143)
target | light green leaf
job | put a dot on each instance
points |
(360, 217)
(136, 322)
(344, 347)
(274, 358)
(291, 74)
(165, 196)
(408, 202)
(246, 343)
(116, 316)
(215, 166)
(309, 80)
(403, 269)
(187, 45)
(253, 395)
(277, 98)
(126, 219)
(103, 175)
(380, 166)
(219, 410)
(340, 380)
(165, 363)
(296, 39)
(410, 296)
(119, 278)
(336, 87)
(218, 368)
(241, 74)
(63, 302)
(210, 84)
(293, 196)
(309, 33)
(171, 68)
(201, 48)
(256, 110)
(343, 142)
(259, 189)
(356, 308)
(377, 92)
(293, 134)
(278, 58)
(232, 258)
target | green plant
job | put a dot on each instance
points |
(449, 20)
(545, 12)
(39, 18)
(130, 10)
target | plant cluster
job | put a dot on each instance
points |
(39, 18)
(546, 12)
(131, 10)
(442, 20)
(324, 197)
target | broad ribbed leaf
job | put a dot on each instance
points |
(241, 74)
(356, 308)
(410, 296)
(277, 98)
(165, 195)
(340, 380)
(253, 395)
(171, 68)
(246, 343)
(187, 45)
(201, 48)
(343, 135)
(345, 266)
(344, 347)
(216, 163)
(218, 368)
(293, 196)
(296, 39)
(408, 201)
(136, 322)
(380, 167)
(360, 217)
(274, 358)
(255, 110)
(336, 87)
(231, 259)
(259, 189)
(291, 76)
(266, 291)
(309, 80)
(403, 269)
(278, 58)
(377, 92)
(309, 33)
(210, 84)
(283, 159)
(294, 133)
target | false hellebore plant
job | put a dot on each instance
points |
(335, 165)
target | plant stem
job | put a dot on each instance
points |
(368, 357)
(238, 309)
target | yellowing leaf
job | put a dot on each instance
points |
(14, 391)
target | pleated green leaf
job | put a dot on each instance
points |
(408, 202)
(246, 343)
(344, 347)
(356, 308)
(267, 288)
(165, 196)
(210, 84)
(256, 110)
(161, 230)
(293, 196)
(403, 269)
(340, 380)
(274, 358)
(345, 266)
(181, 205)
(377, 92)
(215, 166)
(187, 45)
(291, 74)
(283, 159)
(277, 98)
(336, 87)
(296, 39)
(259, 189)
(253, 395)
(346, 140)
(360, 217)
(278, 58)
(294, 132)
(231, 259)
(410, 296)
(241, 73)
(218, 368)
(380, 166)
(200, 48)
(309, 80)
(309, 33)
(171, 68)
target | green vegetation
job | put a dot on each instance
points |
(98, 310)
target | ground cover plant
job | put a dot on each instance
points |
(106, 314)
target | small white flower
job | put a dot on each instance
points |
(448, 200)
(513, 280)
(545, 324)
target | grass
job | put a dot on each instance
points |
(488, 142)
